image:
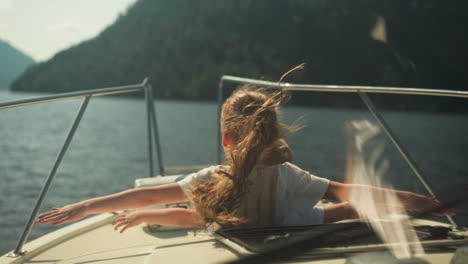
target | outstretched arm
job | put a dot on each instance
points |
(171, 216)
(133, 198)
(410, 201)
(356, 134)
(338, 212)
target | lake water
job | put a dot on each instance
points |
(109, 150)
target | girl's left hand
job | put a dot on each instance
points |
(126, 221)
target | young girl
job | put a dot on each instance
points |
(257, 186)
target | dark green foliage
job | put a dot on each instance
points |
(184, 46)
(12, 63)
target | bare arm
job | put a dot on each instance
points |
(410, 201)
(171, 216)
(136, 198)
(355, 132)
(341, 191)
(133, 198)
(338, 212)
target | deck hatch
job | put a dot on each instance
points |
(341, 235)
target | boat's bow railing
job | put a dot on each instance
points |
(86, 95)
(362, 91)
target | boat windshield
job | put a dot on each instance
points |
(344, 236)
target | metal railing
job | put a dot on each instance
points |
(362, 91)
(151, 127)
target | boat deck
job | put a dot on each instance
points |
(95, 241)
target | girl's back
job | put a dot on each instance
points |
(281, 194)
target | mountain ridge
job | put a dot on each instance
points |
(13, 62)
(185, 46)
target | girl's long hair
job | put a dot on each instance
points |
(250, 118)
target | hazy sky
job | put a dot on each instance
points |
(41, 28)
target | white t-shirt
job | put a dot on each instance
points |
(282, 194)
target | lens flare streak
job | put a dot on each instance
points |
(382, 209)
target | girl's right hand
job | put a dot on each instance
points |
(421, 203)
(58, 216)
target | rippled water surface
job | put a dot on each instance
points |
(109, 150)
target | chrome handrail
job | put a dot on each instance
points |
(87, 94)
(362, 92)
(345, 88)
(63, 96)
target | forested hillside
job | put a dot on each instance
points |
(12, 63)
(184, 46)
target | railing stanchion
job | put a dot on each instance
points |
(155, 131)
(367, 101)
(27, 230)
(150, 134)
